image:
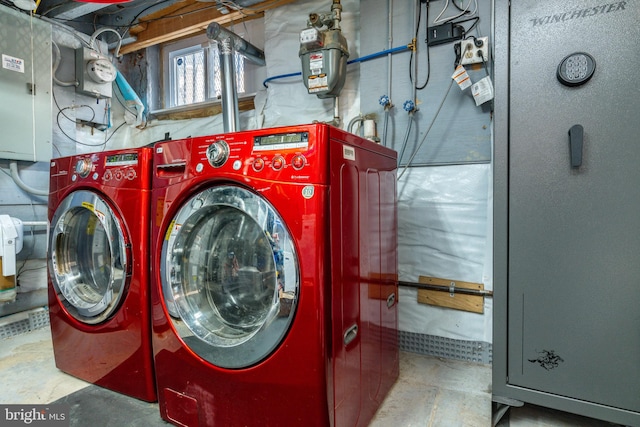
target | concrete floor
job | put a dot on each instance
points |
(430, 391)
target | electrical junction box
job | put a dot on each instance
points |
(471, 53)
(25, 84)
(94, 73)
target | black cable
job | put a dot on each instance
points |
(459, 7)
(420, 87)
(72, 139)
(114, 132)
(415, 49)
(466, 31)
(61, 112)
(122, 103)
(133, 20)
(23, 270)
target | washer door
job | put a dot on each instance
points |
(230, 276)
(88, 257)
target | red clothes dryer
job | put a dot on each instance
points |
(98, 264)
(275, 296)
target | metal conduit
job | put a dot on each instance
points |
(230, 43)
(446, 289)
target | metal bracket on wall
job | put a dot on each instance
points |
(464, 296)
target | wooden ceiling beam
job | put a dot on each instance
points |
(188, 18)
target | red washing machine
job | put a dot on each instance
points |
(99, 271)
(275, 296)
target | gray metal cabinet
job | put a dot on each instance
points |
(25, 87)
(567, 207)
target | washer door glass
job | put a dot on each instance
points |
(231, 276)
(88, 259)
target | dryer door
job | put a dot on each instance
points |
(230, 276)
(87, 257)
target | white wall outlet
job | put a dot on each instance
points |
(470, 53)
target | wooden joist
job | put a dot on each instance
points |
(188, 18)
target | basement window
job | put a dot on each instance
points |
(193, 72)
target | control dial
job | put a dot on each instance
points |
(258, 164)
(218, 153)
(277, 163)
(83, 167)
(298, 161)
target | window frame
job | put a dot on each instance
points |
(212, 80)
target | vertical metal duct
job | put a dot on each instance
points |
(229, 43)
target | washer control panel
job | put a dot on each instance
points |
(279, 154)
(280, 150)
(218, 153)
(297, 154)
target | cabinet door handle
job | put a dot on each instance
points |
(391, 300)
(350, 334)
(576, 141)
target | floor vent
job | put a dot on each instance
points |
(26, 321)
(448, 348)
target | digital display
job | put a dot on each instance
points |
(122, 159)
(282, 140)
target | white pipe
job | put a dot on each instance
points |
(56, 63)
(13, 167)
(35, 223)
(336, 113)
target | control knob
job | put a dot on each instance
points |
(218, 153)
(83, 167)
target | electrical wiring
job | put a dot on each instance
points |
(453, 2)
(114, 132)
(476, 19)
(24, 270)
(60, 110)
(416, 85)
(424, 138)
(61, 113)
(72, 139)
(121, 102)
(405, 140)
(440, 20)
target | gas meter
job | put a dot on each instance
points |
(323, 53)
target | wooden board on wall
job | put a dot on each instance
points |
(457, 301)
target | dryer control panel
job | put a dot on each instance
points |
(127, 168)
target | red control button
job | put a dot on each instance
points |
(277, 163)
(258, 164)
(298, 161)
